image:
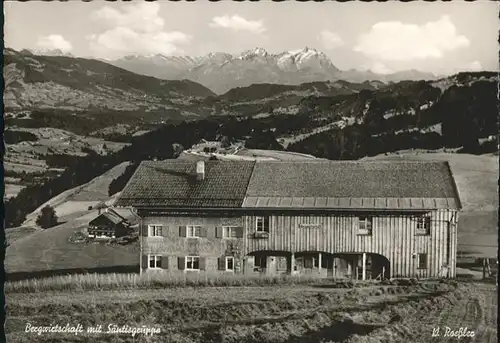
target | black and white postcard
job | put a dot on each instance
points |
(250, 171)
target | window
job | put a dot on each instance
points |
(315, 262)
(230, 231)
(262, 224)
(155, 230)
(423, 225)
(193, 231)
(364, 226)
(154, 261)
(230, 263)
(192, 263)
(260, 263)
(422, 261)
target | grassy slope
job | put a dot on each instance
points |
(477, 183)
(78, 199)
(51, 250)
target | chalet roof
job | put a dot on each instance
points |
(293, 185)
(112, 217)
(172, 183)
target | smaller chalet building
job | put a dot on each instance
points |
(111, 224)
(361, 220)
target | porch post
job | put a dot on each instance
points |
(364, 266)
(292, 263)
(319, 263)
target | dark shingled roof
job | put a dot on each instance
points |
(172, 183)
(352, 179)
(112, 217)
(297, 184)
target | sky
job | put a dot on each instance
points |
(386, 37)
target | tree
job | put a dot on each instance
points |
(47, 217)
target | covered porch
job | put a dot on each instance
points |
(359, 266)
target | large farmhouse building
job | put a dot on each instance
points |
(362, 220)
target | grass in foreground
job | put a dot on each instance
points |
(81, 282)
(274, 314)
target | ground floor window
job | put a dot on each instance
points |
(260, 263)
(192, 263)
(230, 263)
(422, 261)
(154, 261)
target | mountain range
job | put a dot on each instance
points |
(106, 94)
(221, 71)
(64, 82)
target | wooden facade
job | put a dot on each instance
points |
(364, 220)
(329, 243)
(103, 227)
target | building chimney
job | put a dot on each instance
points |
(200, 170)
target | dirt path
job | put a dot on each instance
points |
(476, 312)
(488, 302)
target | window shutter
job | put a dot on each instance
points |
(182, 231)
(164, 231)
(209, 232)
(203, 231)
(239, 232)
(145, 261)
(164, 262)
(145, 230)
(218, 232)
(221, 262)
(202, 263)
(181, 263)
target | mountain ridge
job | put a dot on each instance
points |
(220, 71)
(42, 81)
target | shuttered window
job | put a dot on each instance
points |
(154, 261)
(192, 263)
(155, 230)
(193, 231)
(231, 232)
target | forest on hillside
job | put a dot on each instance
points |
(466, 114)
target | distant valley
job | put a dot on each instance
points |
(70, 119)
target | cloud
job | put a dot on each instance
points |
(330, 40)
(142, 17)
(52, 42)
(397, 41)
(136, 29)
(238, 23)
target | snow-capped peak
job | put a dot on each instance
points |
(304, 58)
(49, 52)
(254, 52)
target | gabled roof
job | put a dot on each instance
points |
(173, 183)
(113, 218)
(292, 185)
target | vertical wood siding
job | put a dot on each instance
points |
(393, 236)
